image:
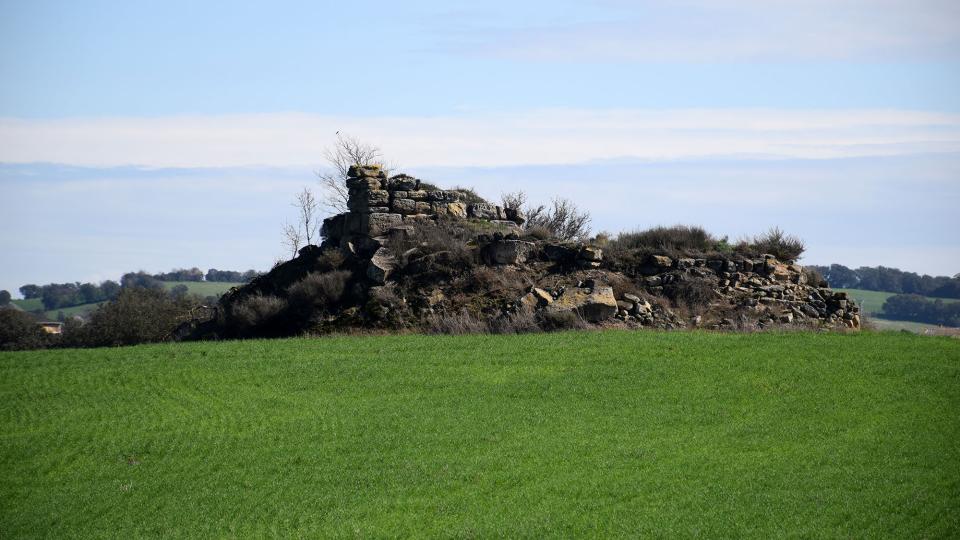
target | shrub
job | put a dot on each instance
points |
(563, 219)
(693, 293)
(537, 232)
(136, 316)
(319, 289)
(462, 322)
(469, 195)
(523, 321)
(679, 238)
(19, 331)
(330, 259)
(255, 310)
(779, 244)
(561, 320)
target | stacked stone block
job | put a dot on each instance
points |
(377, 204)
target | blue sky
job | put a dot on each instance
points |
(824, 117)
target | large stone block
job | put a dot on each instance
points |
(444, 196)
(403, 182)
(363, 184)
(333, 227)
(374, 224)
(417, 195)
(404, 206)
(422, 207)
(365, 200)
(382, 264)
(515, 215)
(507, 252)
(486, 211)
(594, 305)
(366, 171)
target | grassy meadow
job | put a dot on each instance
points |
(203, 288)
(871, 302)
(570, 434)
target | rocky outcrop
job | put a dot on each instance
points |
(399, 277)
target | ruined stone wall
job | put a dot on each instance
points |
(378, 204)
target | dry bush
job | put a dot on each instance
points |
(489, 280)
(693, 293)
(537, 232)
(330, 259)
(622, 285)
(523, 321)
(255, 310)
(319, 290)
(514, 200)
(459, 323)
(563, 219)
(469, 195)
(679, 239)
(783, 246)
(563, 320)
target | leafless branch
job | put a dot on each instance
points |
(346, 152)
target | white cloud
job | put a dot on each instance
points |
(556, 136)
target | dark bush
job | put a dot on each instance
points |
(779, 244)
(693, 293)
(254, 311)
(330, 259)
(679, 238)
(561, 320)
(319, 290)
(19, 331)
(523, 321)
(913, 307)
(135, 316)
(462, 322)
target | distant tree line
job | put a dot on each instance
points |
(62, 295)
(913, 307)
(881, 278)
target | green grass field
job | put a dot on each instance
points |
(29, 304)
(203, 288)
(571, 434)
(871, 302)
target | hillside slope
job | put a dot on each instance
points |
(563, 434)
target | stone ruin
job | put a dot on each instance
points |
(380, 206)
(558, 278)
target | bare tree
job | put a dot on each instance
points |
(308, 222)
(347, 151)
(307, 206)
(292, 239)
